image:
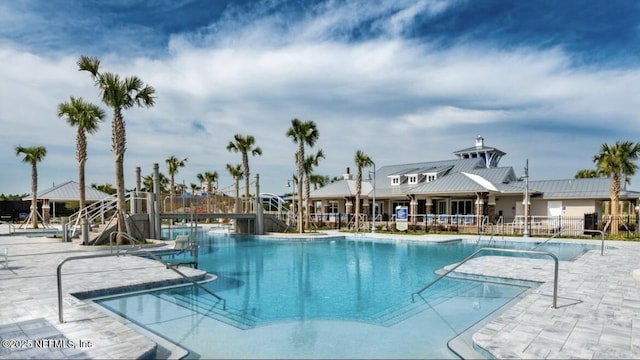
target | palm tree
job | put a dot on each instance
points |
(147, 183)
(236, 172)
(208, 178)
(174, 165)
(86, 117)
(244, 145)
(361, 160)
(302, 133)
(587, 174)
(118, 94)
(318, 181)
(308, 165)
(33, 155)
(194, 187)
(617, 161)
(105, 188)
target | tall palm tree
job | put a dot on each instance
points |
(85, 117)
(174, 165)
(245, 145)
(617, 161)
(236, 172)
(208, 177)
(309, 163)
(118, 94)
(361, 160)
(33, 155)
(302, 133)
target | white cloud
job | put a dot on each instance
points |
(397, 100)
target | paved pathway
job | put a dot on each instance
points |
(598, 314)
(29, 325)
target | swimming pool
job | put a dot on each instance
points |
(328, 284)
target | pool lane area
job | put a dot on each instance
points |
(597, 317)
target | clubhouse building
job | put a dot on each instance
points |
(469, 191)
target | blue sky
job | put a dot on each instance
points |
(403, 81)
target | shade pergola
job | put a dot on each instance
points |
(67, 191)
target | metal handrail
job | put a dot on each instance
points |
(601, 232)
(137, 252)
(10, 225)
(555, 274)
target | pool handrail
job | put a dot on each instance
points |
(126, 252)
(546, 253)
(601, 232)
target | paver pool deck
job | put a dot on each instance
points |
(598, 314)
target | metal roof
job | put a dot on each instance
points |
(342, 188)
(69, 191)
(577, 188)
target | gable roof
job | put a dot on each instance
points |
(69, 191)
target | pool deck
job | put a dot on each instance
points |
(598, 314)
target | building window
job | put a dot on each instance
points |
(332, 208)
(395, 181)
(462, 207)
(430, 177)
(413, 179)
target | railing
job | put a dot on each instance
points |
(495, 227)
(601, 232)
(555, 274)
(12, 228)
(91, 212)
(137, 252)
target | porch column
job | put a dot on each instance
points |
(413, 210)
(429, 205)
(492, 207)
(479, 204)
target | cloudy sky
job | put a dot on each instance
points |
(403, 81)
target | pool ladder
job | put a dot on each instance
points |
(137, 251)
(531, 252)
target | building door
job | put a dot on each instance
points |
(554, 208)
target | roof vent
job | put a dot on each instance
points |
(479, 141)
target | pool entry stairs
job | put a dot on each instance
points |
(403, 311)
(207, 305)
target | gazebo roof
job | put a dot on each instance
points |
(69, 191)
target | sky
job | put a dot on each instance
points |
(402, 81)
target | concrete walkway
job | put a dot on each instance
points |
(598, 314)
(29, 325)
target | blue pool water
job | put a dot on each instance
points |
(268, 282)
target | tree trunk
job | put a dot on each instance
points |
(245, 173)
(615, 198)
(358, 190)
(34, 196)
(300, 161)
(82, 159)
(119, 141)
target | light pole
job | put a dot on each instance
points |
(525, 232)
(373, 222)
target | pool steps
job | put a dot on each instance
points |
(400, 312)
(209, 306)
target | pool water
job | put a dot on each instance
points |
(342, 280)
